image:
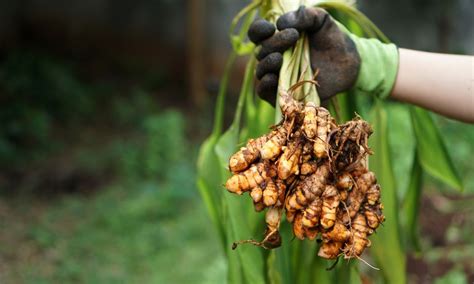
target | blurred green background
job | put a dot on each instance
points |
(103, 105)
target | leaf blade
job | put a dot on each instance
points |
(390, 258)
(207, 163)
(237, 227)
(411, 204)
(432, 152)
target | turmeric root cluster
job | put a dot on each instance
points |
(314, 171)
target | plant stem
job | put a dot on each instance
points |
(220, 102)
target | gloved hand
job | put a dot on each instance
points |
(344, 60)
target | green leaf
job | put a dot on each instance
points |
(411, 204)
(456, 275)
(242, 48)
(307, 252)
(251, 115)
(402, 150)
(281, 268)
(250, 257)
(237, 226)
(354, 27)
(345, 11)
(432, 153)
(344, 107)
(208, 182)
(265, 116)
(238, 41)
(228, 141)
(235, 271)
(345, 273)
(223, 150)
(386, 244)
(246, 10)
(259, 115)
(275, 276)
(319, 274)
(220, 101)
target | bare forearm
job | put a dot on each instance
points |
(438, 82)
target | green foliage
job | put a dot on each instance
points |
(129, 111)
(45, 106)
(145, 227)
(431, 150)
(160, 146)
(411, 205)
(453, 276)
(250, 260)
(208, 180)
(37, 93)
(127, 235)
(391, 257)
(459, 139)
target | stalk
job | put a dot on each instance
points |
(296, 65)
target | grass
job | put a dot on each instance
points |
(124, 234)
(143, 222)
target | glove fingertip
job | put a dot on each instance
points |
(262, 53)
(260, 30)
(270, 64)
(280, 42)
(303, 19)
(267, 87)
(289, 20)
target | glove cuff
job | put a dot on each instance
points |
(378, 68)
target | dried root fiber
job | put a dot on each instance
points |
(315, 172)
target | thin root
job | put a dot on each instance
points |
(368, 264)
(254, 242)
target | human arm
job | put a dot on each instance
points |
(442, 83)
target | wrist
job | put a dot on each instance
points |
(378, 68)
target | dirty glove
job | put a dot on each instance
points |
(344, 60)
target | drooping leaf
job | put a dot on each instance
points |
(228, 142)
(240, 46)
(250, 259)
(318, 272)
(250, 115)
(282, 267)
(275, 276)
(265, 116)
(433, 155)
(402, 150)
(347, 11)
(259, 115)
(386, 242)
(307, 252)
(344, 107)
(208, 182)
(347, 272)
(220, 100)
(410, 206)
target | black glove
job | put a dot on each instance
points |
(333, 53)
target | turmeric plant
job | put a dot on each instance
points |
(331, 189)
